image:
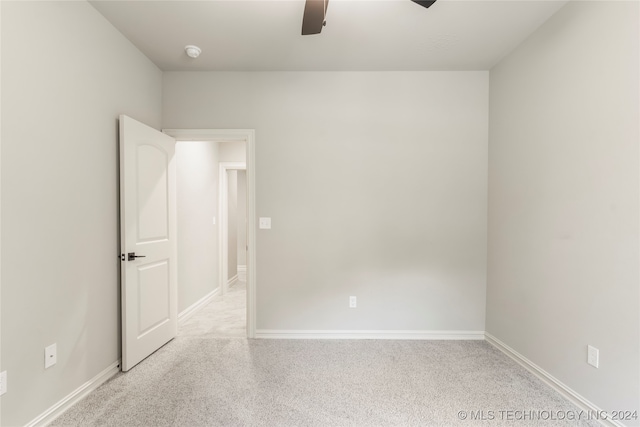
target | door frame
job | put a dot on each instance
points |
(223, 215)
(236, 135)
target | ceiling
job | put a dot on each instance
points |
(361, 35)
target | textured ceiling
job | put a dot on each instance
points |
(380, 35)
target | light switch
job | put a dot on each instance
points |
(50, 356)
(3, 382)
(593, 356)
(265, 223)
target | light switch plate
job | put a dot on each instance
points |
(50, 356)
(264, 223)
(593, 356)
(3, 382)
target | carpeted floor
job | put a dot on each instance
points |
(210, 375)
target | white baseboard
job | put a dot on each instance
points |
(371, 334)
(232, 281)
(551, 381)
(242, 273)
(193, 308)
(62, 406)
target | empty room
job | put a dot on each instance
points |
(327, 213)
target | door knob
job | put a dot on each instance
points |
(131, 256)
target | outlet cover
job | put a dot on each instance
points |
(264, 223)
(50, 356)
(353, 302)
(3, 382)
(593, 356)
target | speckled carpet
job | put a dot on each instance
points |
(210, 375)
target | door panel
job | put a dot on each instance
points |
(148, 224)
(152, 166)
(153, 296)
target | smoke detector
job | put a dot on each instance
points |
(192, 51)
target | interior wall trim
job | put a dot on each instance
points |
(232, 281)
(242, 273)
(185, 314)
(566, 391)
(369, 334)
(75, 396)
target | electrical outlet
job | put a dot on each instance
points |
(353, 303)
(264, 223)
(50, 356)
(3, 382)
(593, 356)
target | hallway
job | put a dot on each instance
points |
(224, 317)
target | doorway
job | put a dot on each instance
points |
(248, 167)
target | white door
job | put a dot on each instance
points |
(148, 240)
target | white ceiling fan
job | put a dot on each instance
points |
(315, 12)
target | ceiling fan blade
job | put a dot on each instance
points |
(424, 3)
(313, 18)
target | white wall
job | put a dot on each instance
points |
(563, 200)
(233, 151)
(0, 205)
(376, 183)
(66, 76)
(197, 198)
(242, 218)
(232, 223)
